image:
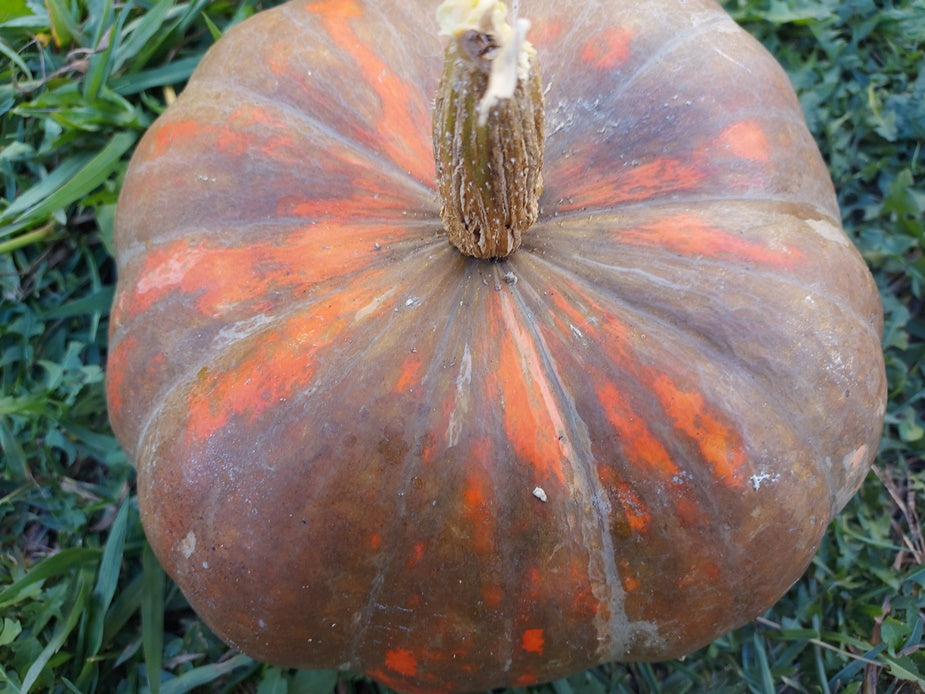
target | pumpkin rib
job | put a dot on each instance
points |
(754, 272)
(403, 196)
(617, 624)
(571, 266)
(429, 215)
(718, 353)
(410, 467)
(417, 69)
(281, 225)
(702, 481)
(183, 380)
(283, 65)
(615, 129)
(664, 50)
(375, 161)
(583, 242)
(710, 178)
(372, 62)
(273, 258)
(490, 290)
(185, 372)
(789, 114)
(649, 311)
(551, 220)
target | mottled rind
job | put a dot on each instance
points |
(339, 421)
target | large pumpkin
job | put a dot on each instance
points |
(357, 447)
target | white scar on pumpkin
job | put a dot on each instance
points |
(188, 545)
(462, 400)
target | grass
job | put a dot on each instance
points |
(84, 607)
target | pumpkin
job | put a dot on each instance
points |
(358, 447)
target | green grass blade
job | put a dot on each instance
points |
(13, 454)
(65, 627)
(107, 578)
(123, 607)
(152, 617)
(98, 302)
(855, 666)
(172, 73)
(64, 26)
(15, 59)
(177, 26)
(99, 20)
(904, 668)
(23, 240)
(314, 681)
(140, 33)
(47, 185)
(85, 179)
(203, 675)
(214, 31)
(11, 9)
(9, 630)
(764, 669)
(100, 64)
(820, 670)
(56, 565)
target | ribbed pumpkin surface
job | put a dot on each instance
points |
(340, 423)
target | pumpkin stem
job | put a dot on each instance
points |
(487, 129)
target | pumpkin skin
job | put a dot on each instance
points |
(339, 422)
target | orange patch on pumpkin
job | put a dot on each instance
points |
(687, 234)
(477, 498)
(403, 124)
(627, 183)
(165, 134)
(532, 641)
(402, 661)
(219, 277)
(631, 509)
(267, 377)
(545, 32)
(635, 511)
(746, 140)
(223, 278)
(357, 206)
(255, 128)
(607, 50)
(116, 370)
(492, 595)
(719, 444)
(277, 59)
(410, 374)
(473, 496)
(640, 445)
(533, 417)
(629, 581)
(335, 8)
(688, 511)
(417, 553)
(700, 573)
(274, 368)
(247, 131)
